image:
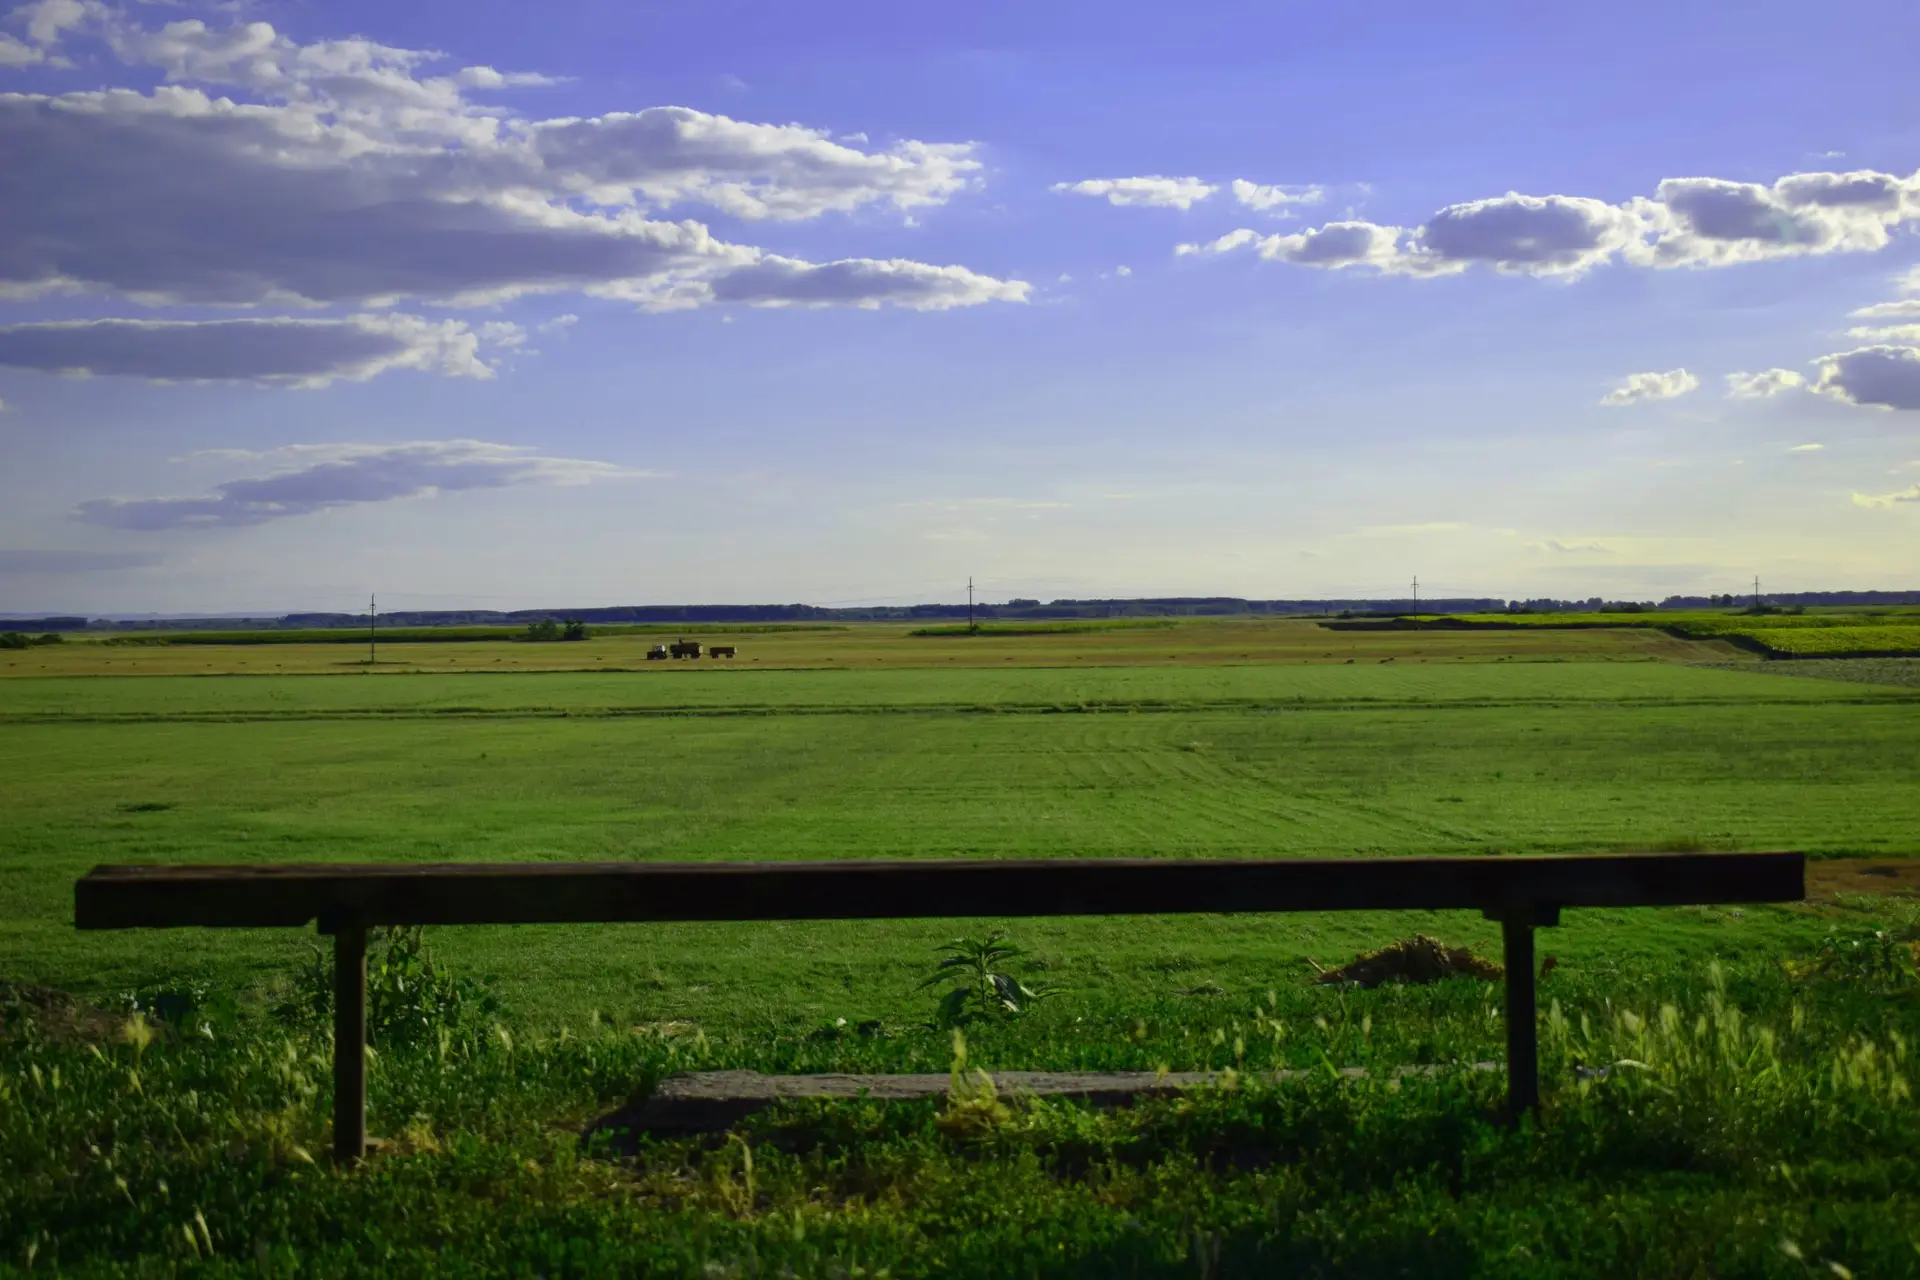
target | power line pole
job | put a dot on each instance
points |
(1416, 593)
(1756, 591)
(370, 645)
(969, 602)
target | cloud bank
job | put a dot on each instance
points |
(322, 477)
(342, 172)
(1688, 222)
(300, 353)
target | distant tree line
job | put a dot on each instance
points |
(21, 640)
(1018, 609)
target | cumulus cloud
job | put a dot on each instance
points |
(1530, 235)
(1335, 245)
(1897, 333)
(1902, 309)
(1689, 222)
(1764, 384)
(342, 172)
(1639, 388)
(17, 53)
(861, 282)
(1151, 192)
(1269, 199)
(1886, 377)
(1909, 494)
(316, 478)
(301, 353)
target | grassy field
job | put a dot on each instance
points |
(1223, 761)
(1857, 633)
(1060, 745)
(1187, 643)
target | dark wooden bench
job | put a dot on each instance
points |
(346, 899)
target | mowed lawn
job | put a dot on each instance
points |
(1243, 761)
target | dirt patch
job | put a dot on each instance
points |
(1417, 959)
(54, 1014)
(1828, 878)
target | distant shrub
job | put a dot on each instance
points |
(548, 629)
(13, 640)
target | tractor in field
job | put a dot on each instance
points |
(685, 649)
(657, 654)
(723, 651)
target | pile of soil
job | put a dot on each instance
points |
(1418, 959)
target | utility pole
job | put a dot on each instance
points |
(969, 602)
(1416, 593)
(1756, 591)
(370, 645)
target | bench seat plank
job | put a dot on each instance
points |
(294, 894)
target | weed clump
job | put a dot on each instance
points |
(1416, 959)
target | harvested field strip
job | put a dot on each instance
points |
(747, 691)
(902, 709)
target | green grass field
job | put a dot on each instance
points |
(1459, 749)
(1877, 633)
(1240, 761)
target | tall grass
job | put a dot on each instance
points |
(1713, 1121)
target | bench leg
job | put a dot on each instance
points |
(1523, 1048)
(349, 1042)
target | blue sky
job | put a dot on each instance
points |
(597, 303)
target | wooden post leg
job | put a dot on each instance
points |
(349, 1042)
(1523, 1048)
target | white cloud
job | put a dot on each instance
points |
(1909, 494)
(321, 477)
(559, 324)
(1886, 377)
(47, 20)
(16, 53)
(1761, 385)
(1900, 333)
(1151, 192)
(861, 282)
(1908, 281)
(1268, 199)
(1573, 548)
(358, 178)
(1335, 245)
(1806, 448)
(488, 78)
(1903, 309)
(1123, 270)
(301, 353)
(1639, 388)
(1690, 222)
